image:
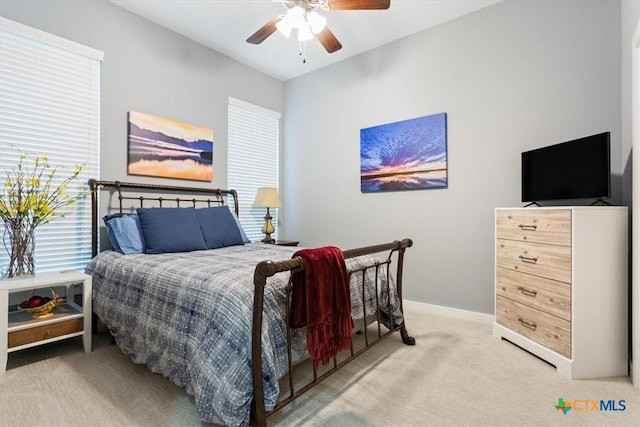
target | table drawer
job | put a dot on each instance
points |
(541, 226)
(545, 329)
(547, 295)
(44, 332)
(550, 261)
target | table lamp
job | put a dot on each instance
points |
(267, 197)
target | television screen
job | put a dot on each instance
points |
(577, 169)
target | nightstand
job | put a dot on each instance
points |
(20, 330)
(287, 243)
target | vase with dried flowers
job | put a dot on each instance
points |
(32, 195)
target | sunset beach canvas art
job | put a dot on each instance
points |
(169, 148)
(405, 155)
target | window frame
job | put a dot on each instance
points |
(253, 129)
(60, 81)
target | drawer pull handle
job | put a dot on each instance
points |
(528, 292)
(528, 259)
(528, 227)
(527, 324)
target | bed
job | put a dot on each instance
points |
(216, 321)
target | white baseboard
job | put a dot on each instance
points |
(450, 312)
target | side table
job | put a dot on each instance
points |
(20, 330)
(287, 243)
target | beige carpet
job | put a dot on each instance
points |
(457, 374)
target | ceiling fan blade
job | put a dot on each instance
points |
(358, 4)
(328, 40)
(265, 31)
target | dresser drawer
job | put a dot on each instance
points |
(39, 333)
(541, 226)
(545, 329)
(547, 295)
(550, 261)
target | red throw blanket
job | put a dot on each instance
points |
(321, 301)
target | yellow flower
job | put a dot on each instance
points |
(31, 197)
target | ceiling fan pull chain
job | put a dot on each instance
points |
(303, 53)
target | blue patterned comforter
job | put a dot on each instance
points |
(188, 317)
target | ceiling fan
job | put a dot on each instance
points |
(302, 15)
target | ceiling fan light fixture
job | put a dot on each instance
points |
(293, 19)
(295, 16)
(304, 33)
(284, 27)
(316, 21)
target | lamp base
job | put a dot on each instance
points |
(268, 239)
(268, 228)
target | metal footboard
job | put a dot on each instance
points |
(266, 269)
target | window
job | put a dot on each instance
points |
(50, 106)
(252, 160)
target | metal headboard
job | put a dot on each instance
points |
(131, 195)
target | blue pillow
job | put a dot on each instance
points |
(170, 230)
(111, 235)
(242, 233)
(125, 233)
(219, 227)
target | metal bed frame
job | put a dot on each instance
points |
(189, 196)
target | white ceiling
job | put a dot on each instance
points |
(225, 25)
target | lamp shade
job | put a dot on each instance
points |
(267, 197)
(304, 33)
(293, 19)
(316, 22)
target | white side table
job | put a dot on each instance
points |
(20, 330)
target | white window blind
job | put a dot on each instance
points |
(252, 160)
(50, 106)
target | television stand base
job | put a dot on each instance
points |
(601, 202)
(533, 204)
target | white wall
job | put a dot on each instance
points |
(630, 13)
(511, 77)
(631, 147)
(153, 70)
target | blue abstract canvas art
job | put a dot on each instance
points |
(405, 155)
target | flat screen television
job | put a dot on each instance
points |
(578, 169)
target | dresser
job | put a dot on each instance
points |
(561, 286)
